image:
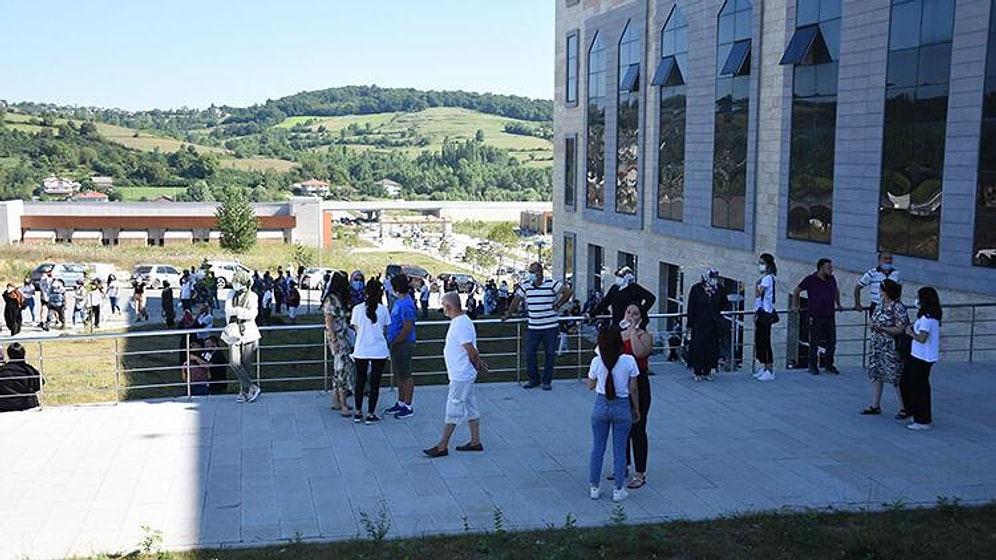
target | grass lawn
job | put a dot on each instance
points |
(440, 123)
(948, 531)
(129, 194)
(148, 141)
(258, 164)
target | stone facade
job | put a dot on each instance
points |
(692, 244)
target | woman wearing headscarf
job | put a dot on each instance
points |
(242, 335)
(706, 303)
(357, 287)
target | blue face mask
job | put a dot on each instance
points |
(886, 267)
(357, 284)
(532, 278)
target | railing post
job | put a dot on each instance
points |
(259, 358)
(41, 370)
(117, 372)
(518, 350)
(577, 364)
(325, 359)
(186, 359)
(864, 338)
(971, 338)
(734, 331)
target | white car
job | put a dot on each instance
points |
(224, 271)
(153, 275)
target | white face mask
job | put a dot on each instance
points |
(620, 282)
(237, 286)
(916, 303)
(762, 268)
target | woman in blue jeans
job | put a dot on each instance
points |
(617, 406)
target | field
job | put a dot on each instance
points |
(131, 194)
(440, 123)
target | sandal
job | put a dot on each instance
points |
(872, 410)
(637, 482)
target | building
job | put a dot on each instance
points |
(312, 187)
(536, 221)
(392, 188)
(103, 183)
(59, 186)
(701, 133)
(89, 196)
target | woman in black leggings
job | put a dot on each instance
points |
(370, 353)
(638, 343)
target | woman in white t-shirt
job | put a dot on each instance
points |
(613, 376)
(764, 312)
(915, 383)
(370, 320)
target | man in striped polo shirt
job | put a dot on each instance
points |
(543, 296)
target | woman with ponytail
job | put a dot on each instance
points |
(613, 375)
(370, 320)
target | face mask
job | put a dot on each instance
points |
(620, 282)
(532, 277)
(357, 284)
(916, 303)
(713, 282)
(886, 267)
(762, 268)
(237, 286)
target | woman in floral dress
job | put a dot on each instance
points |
(335, 304)
(888, 324)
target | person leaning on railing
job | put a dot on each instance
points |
(19, 381)
(242, 335)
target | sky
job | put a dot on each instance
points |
(144, 54)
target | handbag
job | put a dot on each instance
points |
(762, 317)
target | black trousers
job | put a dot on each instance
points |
(637, 446)
(822, 332)
(914, 386)
(376, 368)
(762, 343)
(95, 315)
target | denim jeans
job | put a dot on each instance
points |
(549, 339)
(616, 414)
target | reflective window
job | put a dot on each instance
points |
(984, 247)
(569, 258)
(916, 102)
(595, 175)
(628, 123)
(571, 97)
(596, 265)
(671, 143)
(814, 120)
(733, 54)
(570, 169)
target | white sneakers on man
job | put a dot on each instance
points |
(619, 494)
(594, 492)
(764, 375)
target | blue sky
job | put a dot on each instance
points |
(141, 54)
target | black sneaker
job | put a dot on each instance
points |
(372, 418)
(832, 369)
(394, 409)
(531, 385)
(357, 418)
(547, 387)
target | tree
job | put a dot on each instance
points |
(502, 237)
(479, 136)
(237, 221)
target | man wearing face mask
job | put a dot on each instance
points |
(623, 293)
(242, 335)
(706, 302)
(873, 279)
(543, 296)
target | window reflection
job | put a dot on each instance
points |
(671, 145)
(729, 185)
(595, 175)
(984, 246)
(914, 132)
(628, 124)
(570, 169)
(572, 69)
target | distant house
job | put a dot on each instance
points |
(89, 196)
(392, 188)
(59, 186)
(536, 222)
(312, 187)
(103, 183)
(162, 198)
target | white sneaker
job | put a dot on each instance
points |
(917, 427)
(758, 373)
(241, 398)
(254, 392)
(594, 492)
(619, 494)
(766, 376)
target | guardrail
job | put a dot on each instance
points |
(111, 367)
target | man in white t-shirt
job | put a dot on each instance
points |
(463, 363)
(873, 281)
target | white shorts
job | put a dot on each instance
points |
(461, 403)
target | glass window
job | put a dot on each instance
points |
(729, 185)
(571, 96)
(570, 169)
(596, 265)
(984, 245)
(914, 130)
(627, 259)
(628, 122)
(671, 143)
(595, 145)
(814, 123)
(569, 258)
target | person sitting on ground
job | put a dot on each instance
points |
(19, 381)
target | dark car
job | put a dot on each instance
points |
(412, 271)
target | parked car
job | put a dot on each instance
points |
(224, 271)
(463, 280)
(412, 271)
(153, 275)
(71, 274)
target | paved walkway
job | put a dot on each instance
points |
(210, 472)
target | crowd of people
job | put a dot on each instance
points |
(363, 334)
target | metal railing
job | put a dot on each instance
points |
(110, 367)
